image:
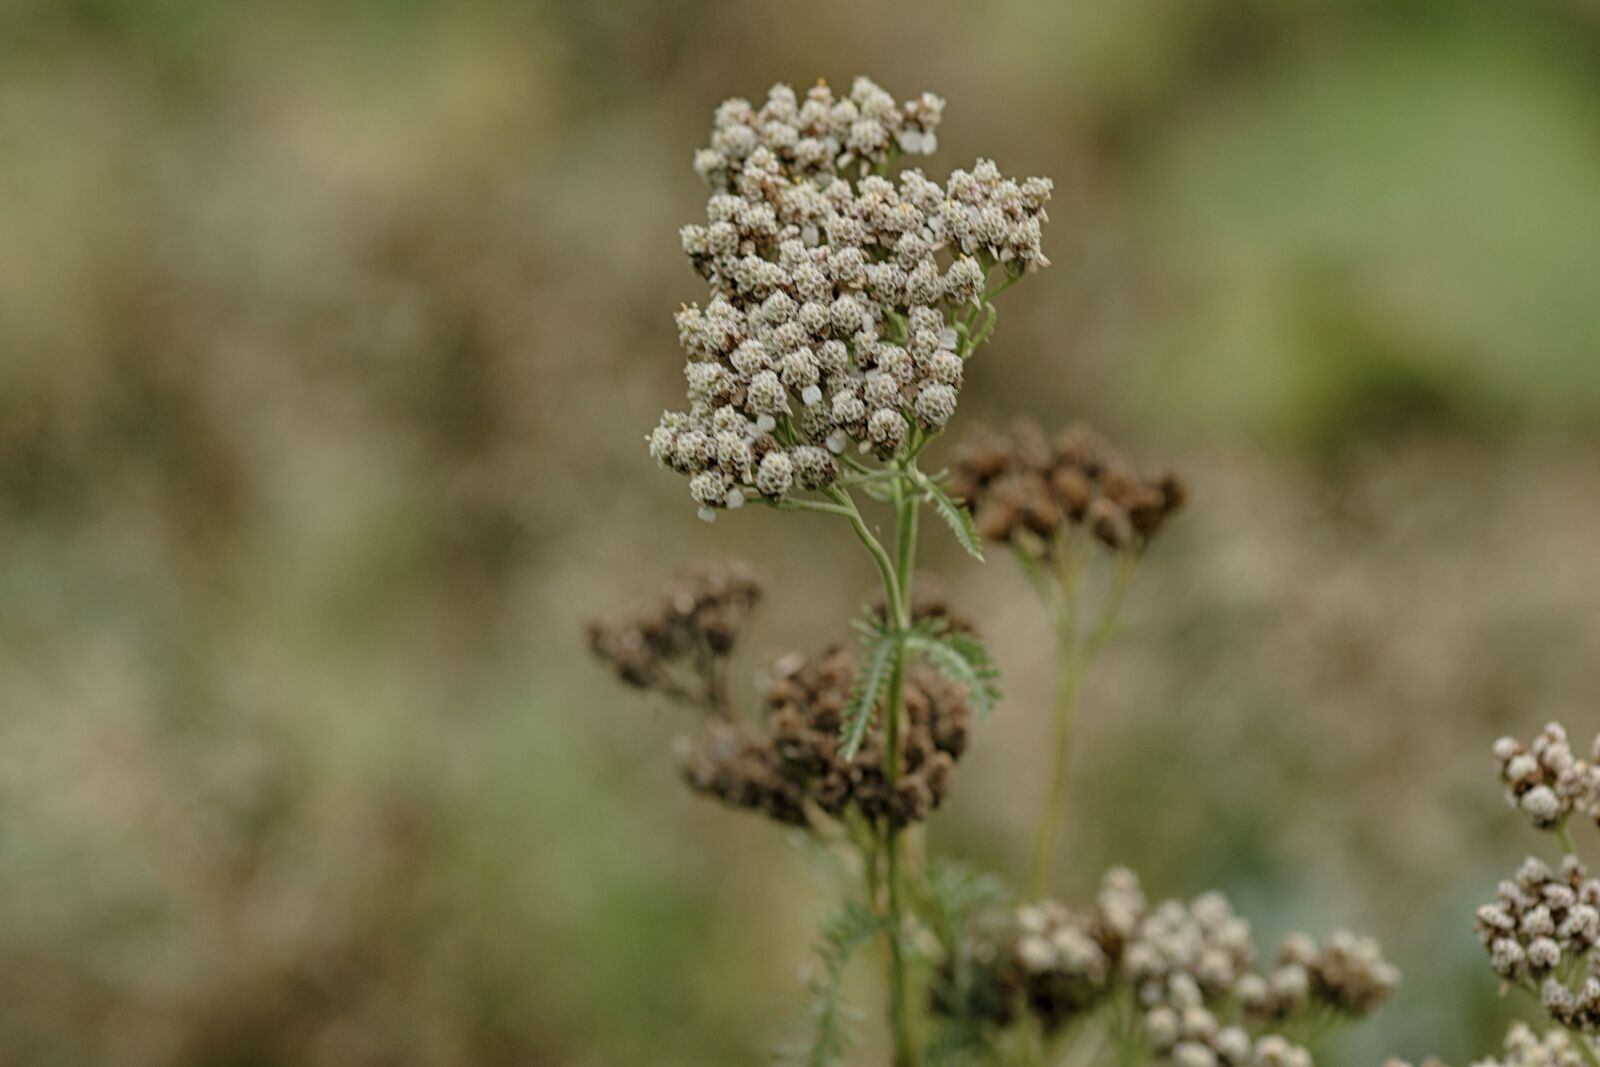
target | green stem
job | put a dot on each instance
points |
(1049, 826)
(905, 507)
(1584, 1047)
(1075, 657)
(1564, 836)
(897, 578)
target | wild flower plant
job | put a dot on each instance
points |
(845, 303)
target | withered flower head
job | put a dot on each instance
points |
(791, 764)
(1027, 491)
(678, 645)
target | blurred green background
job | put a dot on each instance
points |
(329, 333)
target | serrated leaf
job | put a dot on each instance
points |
(956, 516)
(870, 683)
(961, 657)
(825, 1037)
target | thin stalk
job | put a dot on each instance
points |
(1584, 1047)
(1075, 655)
(1564, 836)
(897, 577)
(1049, 825)
(899, 605)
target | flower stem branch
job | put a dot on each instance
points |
(1075, 655)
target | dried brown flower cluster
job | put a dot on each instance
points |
(1028, 491)
(791, 766)
(1546, 780)
(1188, 966)
(678, 645)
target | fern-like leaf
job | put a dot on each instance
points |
(825, 1034)
(961, 657)
(871, 681)
(955, 515)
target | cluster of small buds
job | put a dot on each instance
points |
(792, 766)
(1203, 940)
(1027, 491)
(1524, 1048)
(1184, 1032)
(1184, 963)
(677, 644)
(820, 136)
(1347, 974)
(1576, 1009)
(1541, 921)
(841, 301)
(1065, 968)
(1546, 780)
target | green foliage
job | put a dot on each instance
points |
(962, 658)
(956, 892)
(825, 1036)
(871, 681)
(955, 515)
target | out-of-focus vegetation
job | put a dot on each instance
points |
(328, 335)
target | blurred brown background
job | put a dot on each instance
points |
(329, 333)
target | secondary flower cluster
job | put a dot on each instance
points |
(1546, 780)
(1524, 1048)
(1188, 966)
(791, 765)
(677, 645)
(1541, 920)
(842, 302)
(1027, 491)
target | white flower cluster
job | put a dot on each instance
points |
(1183, 1031)
(1546, 780)
(820, 136)
(1348, 973)
(1524, 1048)
(1185, 963)
(1542, 921)
(841, 301)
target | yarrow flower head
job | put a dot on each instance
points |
(1185, 965)
(790, 763)
(1541, 928)
(1546, 780)
(1028, 491)
(1524, 1048)
(791, 767)
(678, 645)
(842, 301)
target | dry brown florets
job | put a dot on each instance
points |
(1029, 492)
(678, 645)
(1546, 780)
(841, 299)
(792, 765)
